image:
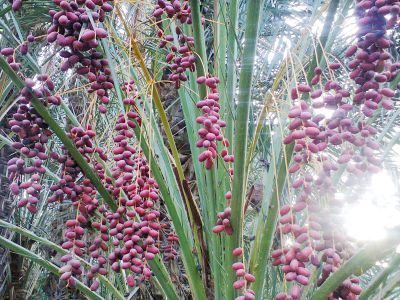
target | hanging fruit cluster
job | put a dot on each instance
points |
(180, 58)
(211, 121)
(244, 279)
(210, 133)
(31, 133)
(320, 240)
(82, 194)
(134, 228)
(130, 237)
(372, 66)
(76, 28)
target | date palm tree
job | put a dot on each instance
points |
(262, 52)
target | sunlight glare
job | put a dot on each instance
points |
(325, 111)
(376, 211)
(349, 26)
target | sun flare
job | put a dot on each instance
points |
(377, 210)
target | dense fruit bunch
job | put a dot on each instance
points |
(31, 134)
(210, 132)
(134, 228)
(82, 194)
(180, 58)
(314, 134)
(71, 172)
(76, 27)
(209, 135)
(321, 240)
(137, 194)
(372, 66)
(183, 60)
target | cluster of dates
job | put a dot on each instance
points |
(372, 66)
(169, 247)
(134, 228)
(130, 236)
(137, 193)
(180, 58)
(320, 241)
(211, 133)
(139, 238)
(82, 194)
(75, 27)
(313, 134)
(244, 278)
(31, 135)
(68, 186)
(10, 53)
(224, 218)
